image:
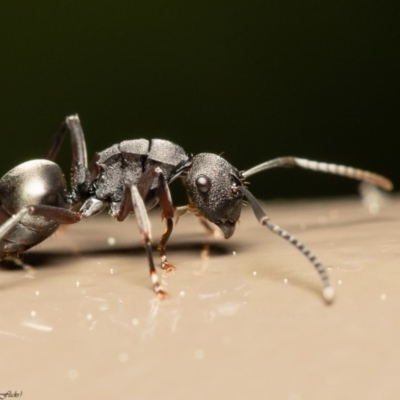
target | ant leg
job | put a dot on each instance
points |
(29, 270)
(80, 175)
(167, 209)
(167, 213)
(79, 153)
(328, 290)
(145, 229)
(210, 228)
(60, 215)
(335, 169)
(143, 186)
(5, 229)
(162, 246)
(56, 143)
(12, 222)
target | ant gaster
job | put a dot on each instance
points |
(132, 177)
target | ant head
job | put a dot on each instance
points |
(212, 186)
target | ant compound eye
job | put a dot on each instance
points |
(203, 184)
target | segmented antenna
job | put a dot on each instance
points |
(328, 290)
(335, 169)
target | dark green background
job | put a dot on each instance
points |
(252, 79)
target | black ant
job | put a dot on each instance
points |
(132, 177)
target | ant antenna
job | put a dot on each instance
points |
(349, 172)
(328, 290)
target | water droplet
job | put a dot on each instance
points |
(89, 317)
(111, 241)
(77, 284)
(339, 282)
(234, 253)
(73, 374)
(383, 296)
(33, 313)
(373, 198)
(182, 293)
(285, 281)
(111, 271)
(37, 292)
(199, 354)
(123, 357)
(254, 273)
(135, 322)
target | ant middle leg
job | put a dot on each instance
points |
(132, 201)
(167, 208)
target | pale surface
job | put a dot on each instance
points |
(248, 322)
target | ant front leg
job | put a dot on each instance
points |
(208, 226)
(167, 213)
(211, 228)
